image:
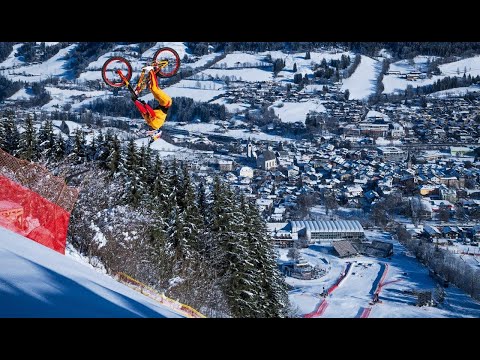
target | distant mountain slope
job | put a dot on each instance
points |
(38, 282)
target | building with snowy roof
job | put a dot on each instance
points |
(328, 231)
(267, 160)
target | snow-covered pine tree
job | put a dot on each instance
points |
(242, 284)
(113, 161)
(143, 165)
(176, 238)
(3, 137)
(173, 180)
(130, 158)
(273, 298)
(194, 225)
(160, 259)
(92, 149)
(28, 145)
(79, 149)
(46, 138)
(160, 189)
(101, 154)
(59, 148)
(218, 222)
(133, 172)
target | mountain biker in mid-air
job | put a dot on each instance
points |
(155, 118)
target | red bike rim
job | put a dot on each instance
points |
(173, 60)
(111, 65)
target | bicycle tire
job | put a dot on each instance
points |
(109, 66)
(172, 68)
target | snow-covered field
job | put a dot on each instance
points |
(419, 63)
(460, 91)
(304, 66)
(12, 61)
(209, 128)
(246, 74)
(297, 111)
(61, 97)
(362, 82)
(239, 60)
(36, 281)
(403, 274)
(393, 83)
(469, 66)
(234, 107)
(53, 67)
(22, 94)
(197, 90)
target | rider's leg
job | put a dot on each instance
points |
(144, 108)
(160, 95)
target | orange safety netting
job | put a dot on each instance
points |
(35, 203)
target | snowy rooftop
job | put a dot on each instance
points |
(327, 226)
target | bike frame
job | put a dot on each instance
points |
(141, 84)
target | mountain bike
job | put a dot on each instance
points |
(117, 70)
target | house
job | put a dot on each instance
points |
(432, 232)
(448, 194)
(264, 204)
(450, 232)
(421, 208)
(392, 153)
(267, 160)
(225, 165)
(353, 191)
(345, 248)
(292, 171)
(377, 248)
(437, 205)
(278, 214)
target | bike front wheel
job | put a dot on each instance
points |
(171, 57)
(110, 71)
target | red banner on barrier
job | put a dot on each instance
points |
(31, 215)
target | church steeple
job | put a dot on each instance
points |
(249, 149)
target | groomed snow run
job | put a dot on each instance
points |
(37, 282)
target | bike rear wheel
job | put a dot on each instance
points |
(169, 54)
(110, 68)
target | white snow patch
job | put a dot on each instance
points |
(362, 82)
(292, 112)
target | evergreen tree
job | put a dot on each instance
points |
(79, 150)
(59, 148)
(273, 297)
(46, 138)
(2, 133)
(178, 248)
(10, 135)
(193, 218)
(143, 164)
(242, 286)
(174, 186)
(113, 160)
(28, 146)
(160, 192)
(134, 187)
